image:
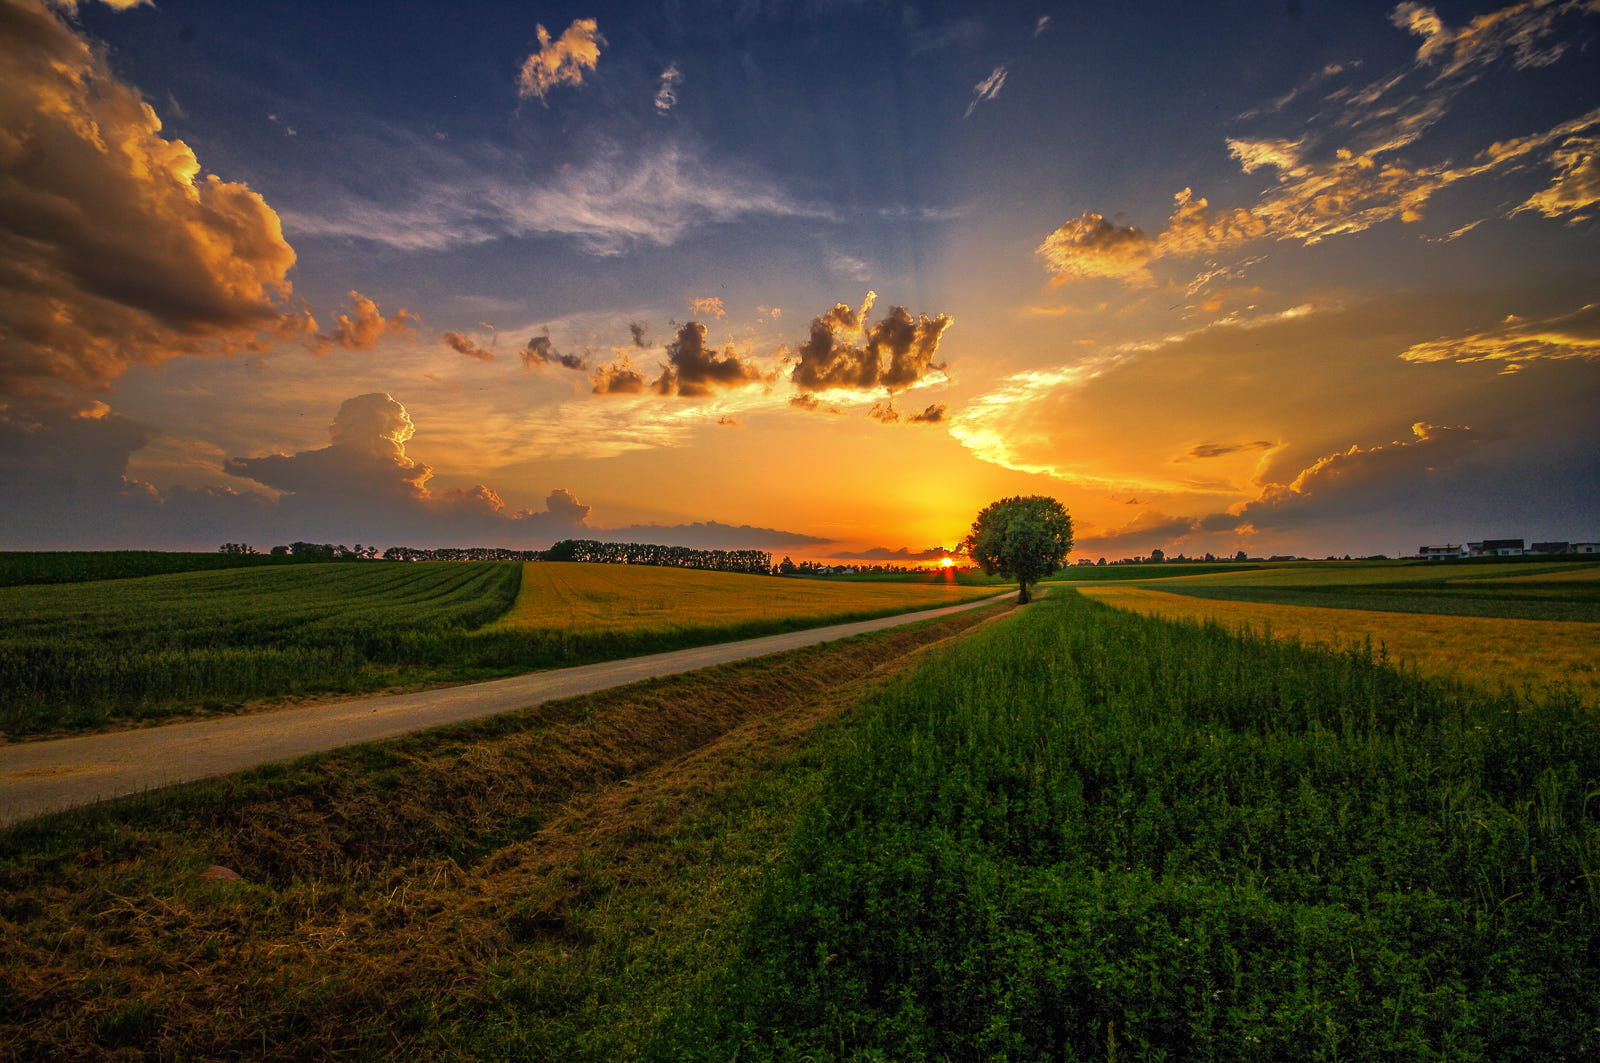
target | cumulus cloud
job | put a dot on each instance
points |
(667, 93)
(465, 346)
(72, 466)
(114, 251)
(844, 352)
(561, 61)
(806, 401)
(987, 89)
(1517, 341)
(693, 369)
(367, 457)
(361, 329)
(541, 352)
(1090, 246)
(884, 412)
(933, 414)
(618, 378)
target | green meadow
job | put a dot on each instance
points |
(1069, 832)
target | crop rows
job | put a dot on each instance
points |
(74, 655)
(1088, 834)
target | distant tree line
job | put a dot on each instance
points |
(753, 561)
(458, 553)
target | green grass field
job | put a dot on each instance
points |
(84, 655)
(18, 568)
(1084, 834)
(1072, 833)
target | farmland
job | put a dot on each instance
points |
(1523, 627)
(1072, 832)
(91, 654)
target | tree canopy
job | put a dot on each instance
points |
(1022, 538)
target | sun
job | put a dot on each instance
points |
(946, 562)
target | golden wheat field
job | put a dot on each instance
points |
(1534, 656)
(578, 596)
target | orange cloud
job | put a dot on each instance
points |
(842, 352)
(117, 252)
(363, 329)
(1574, 335)
(561, 61)
(1090, 246)
(710, 306)
(462, 345)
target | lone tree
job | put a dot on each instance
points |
(1024, 539)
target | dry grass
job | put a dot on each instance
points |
(390, 894)
(1533, 656)
(575, 596)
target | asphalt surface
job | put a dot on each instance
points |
(48, 776)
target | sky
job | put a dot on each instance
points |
(821, 277)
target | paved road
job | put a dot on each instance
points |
(38, 777)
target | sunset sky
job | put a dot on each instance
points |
(822, 278)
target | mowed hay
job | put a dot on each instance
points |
(379, 884)
(1533, 656)
(579, 596)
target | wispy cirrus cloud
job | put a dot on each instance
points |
(987, 89)
(616, 201)
(1344, 173)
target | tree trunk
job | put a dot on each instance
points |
(1022, 597)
